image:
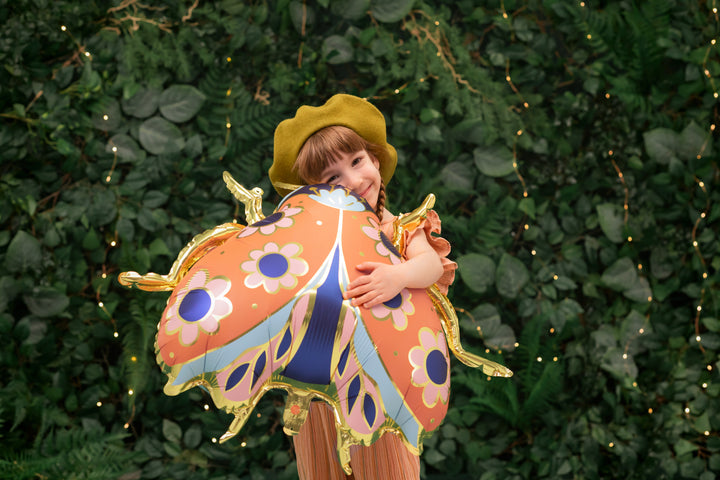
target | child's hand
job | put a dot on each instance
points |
(381, 283)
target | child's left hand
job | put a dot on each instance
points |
(381, 283)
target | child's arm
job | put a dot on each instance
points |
(383, 282)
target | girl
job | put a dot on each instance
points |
(343, 143)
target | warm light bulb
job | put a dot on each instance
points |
(687, 410)
(206, 407)
(101, 304)
(131, 392)
(99, 404)
(63, 28)
(116, 334)
(539, 359)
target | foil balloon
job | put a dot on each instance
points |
(261, 307)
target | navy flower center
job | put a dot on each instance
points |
(195, 305)
(394, 302)
(273, 265)
(436, 366)
(268, 220)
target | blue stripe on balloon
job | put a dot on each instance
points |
(311, 363)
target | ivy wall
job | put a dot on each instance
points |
(573, 151)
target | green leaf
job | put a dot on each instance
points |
(160, 137)
(621, 275)
(143, 104)
(640, 291)
(388, 11)
(511, 276)
(494, 161)
(661, 145)
(458, 176)
(477, 271)
(692, 141)
(527, 205)
(23, 253)
(619, 363)
(171, 431)
(193, 436)
(154, 199)
(46, 301)
(337, 49)
(126, 148)
(683, 447)
(179, 103)
(350, 9)
(612, 221)
(496, 335)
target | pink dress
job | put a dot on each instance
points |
(315, 445)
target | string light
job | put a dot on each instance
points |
(80, 48)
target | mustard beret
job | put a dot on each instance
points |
(341, 109)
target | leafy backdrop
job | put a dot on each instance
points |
(571, 145)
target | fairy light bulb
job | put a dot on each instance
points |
(206, 407)
(116, 334)
(63, 28)
(99, 404)
(131, 392)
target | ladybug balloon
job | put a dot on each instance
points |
(261, 306)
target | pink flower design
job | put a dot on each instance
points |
(398, 308)
(383, 245)
(268, 225)
(274, 267)
(199, 306)
(431, 368)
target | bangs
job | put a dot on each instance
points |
(322, 147)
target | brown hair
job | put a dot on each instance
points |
(320, 150)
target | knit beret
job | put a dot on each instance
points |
(341, 109)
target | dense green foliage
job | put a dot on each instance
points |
(572, 150)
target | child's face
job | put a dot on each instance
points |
(359, 171)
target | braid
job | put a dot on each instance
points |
(380, 201)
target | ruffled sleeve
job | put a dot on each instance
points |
(430, 226)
